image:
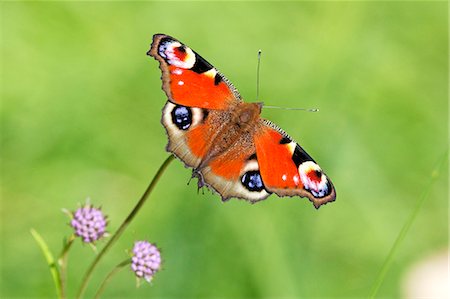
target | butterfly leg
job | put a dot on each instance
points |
(197, 174)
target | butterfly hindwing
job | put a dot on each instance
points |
(287, 170)
(189, 130)
(235, 173)
(188, 79)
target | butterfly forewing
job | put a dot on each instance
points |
(287, 169)
(190, 80)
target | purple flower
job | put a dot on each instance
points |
(146, 260)
(89, 223)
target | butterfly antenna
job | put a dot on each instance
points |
(257, 74)
(287, 108)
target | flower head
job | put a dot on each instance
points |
(89, 223)
(146, 260)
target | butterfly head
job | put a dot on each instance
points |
(247, 114)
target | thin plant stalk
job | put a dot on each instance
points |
(110, 275)
(123, 226)
(388, 261)
(62, 262)
(50, 261)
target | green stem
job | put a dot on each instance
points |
(50, 261)
(124, 225)
(110, 275)
(387, 263)
(62, 262)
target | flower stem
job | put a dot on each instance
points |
(110, 275)
(390, 257)
(123, 226)
(50, 261)
(62, 262)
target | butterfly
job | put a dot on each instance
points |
(231, 149)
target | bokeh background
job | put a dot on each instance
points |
(80, 117)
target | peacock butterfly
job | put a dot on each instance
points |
(230, 147)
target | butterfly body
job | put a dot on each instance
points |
(236, 123)
(230, 147)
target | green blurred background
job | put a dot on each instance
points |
(80, 117)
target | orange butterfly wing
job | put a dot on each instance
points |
(190, 80)
(287, 170)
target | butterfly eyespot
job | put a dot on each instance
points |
(313, 179)
(176, 54)
(182, 117)
(252, 181)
